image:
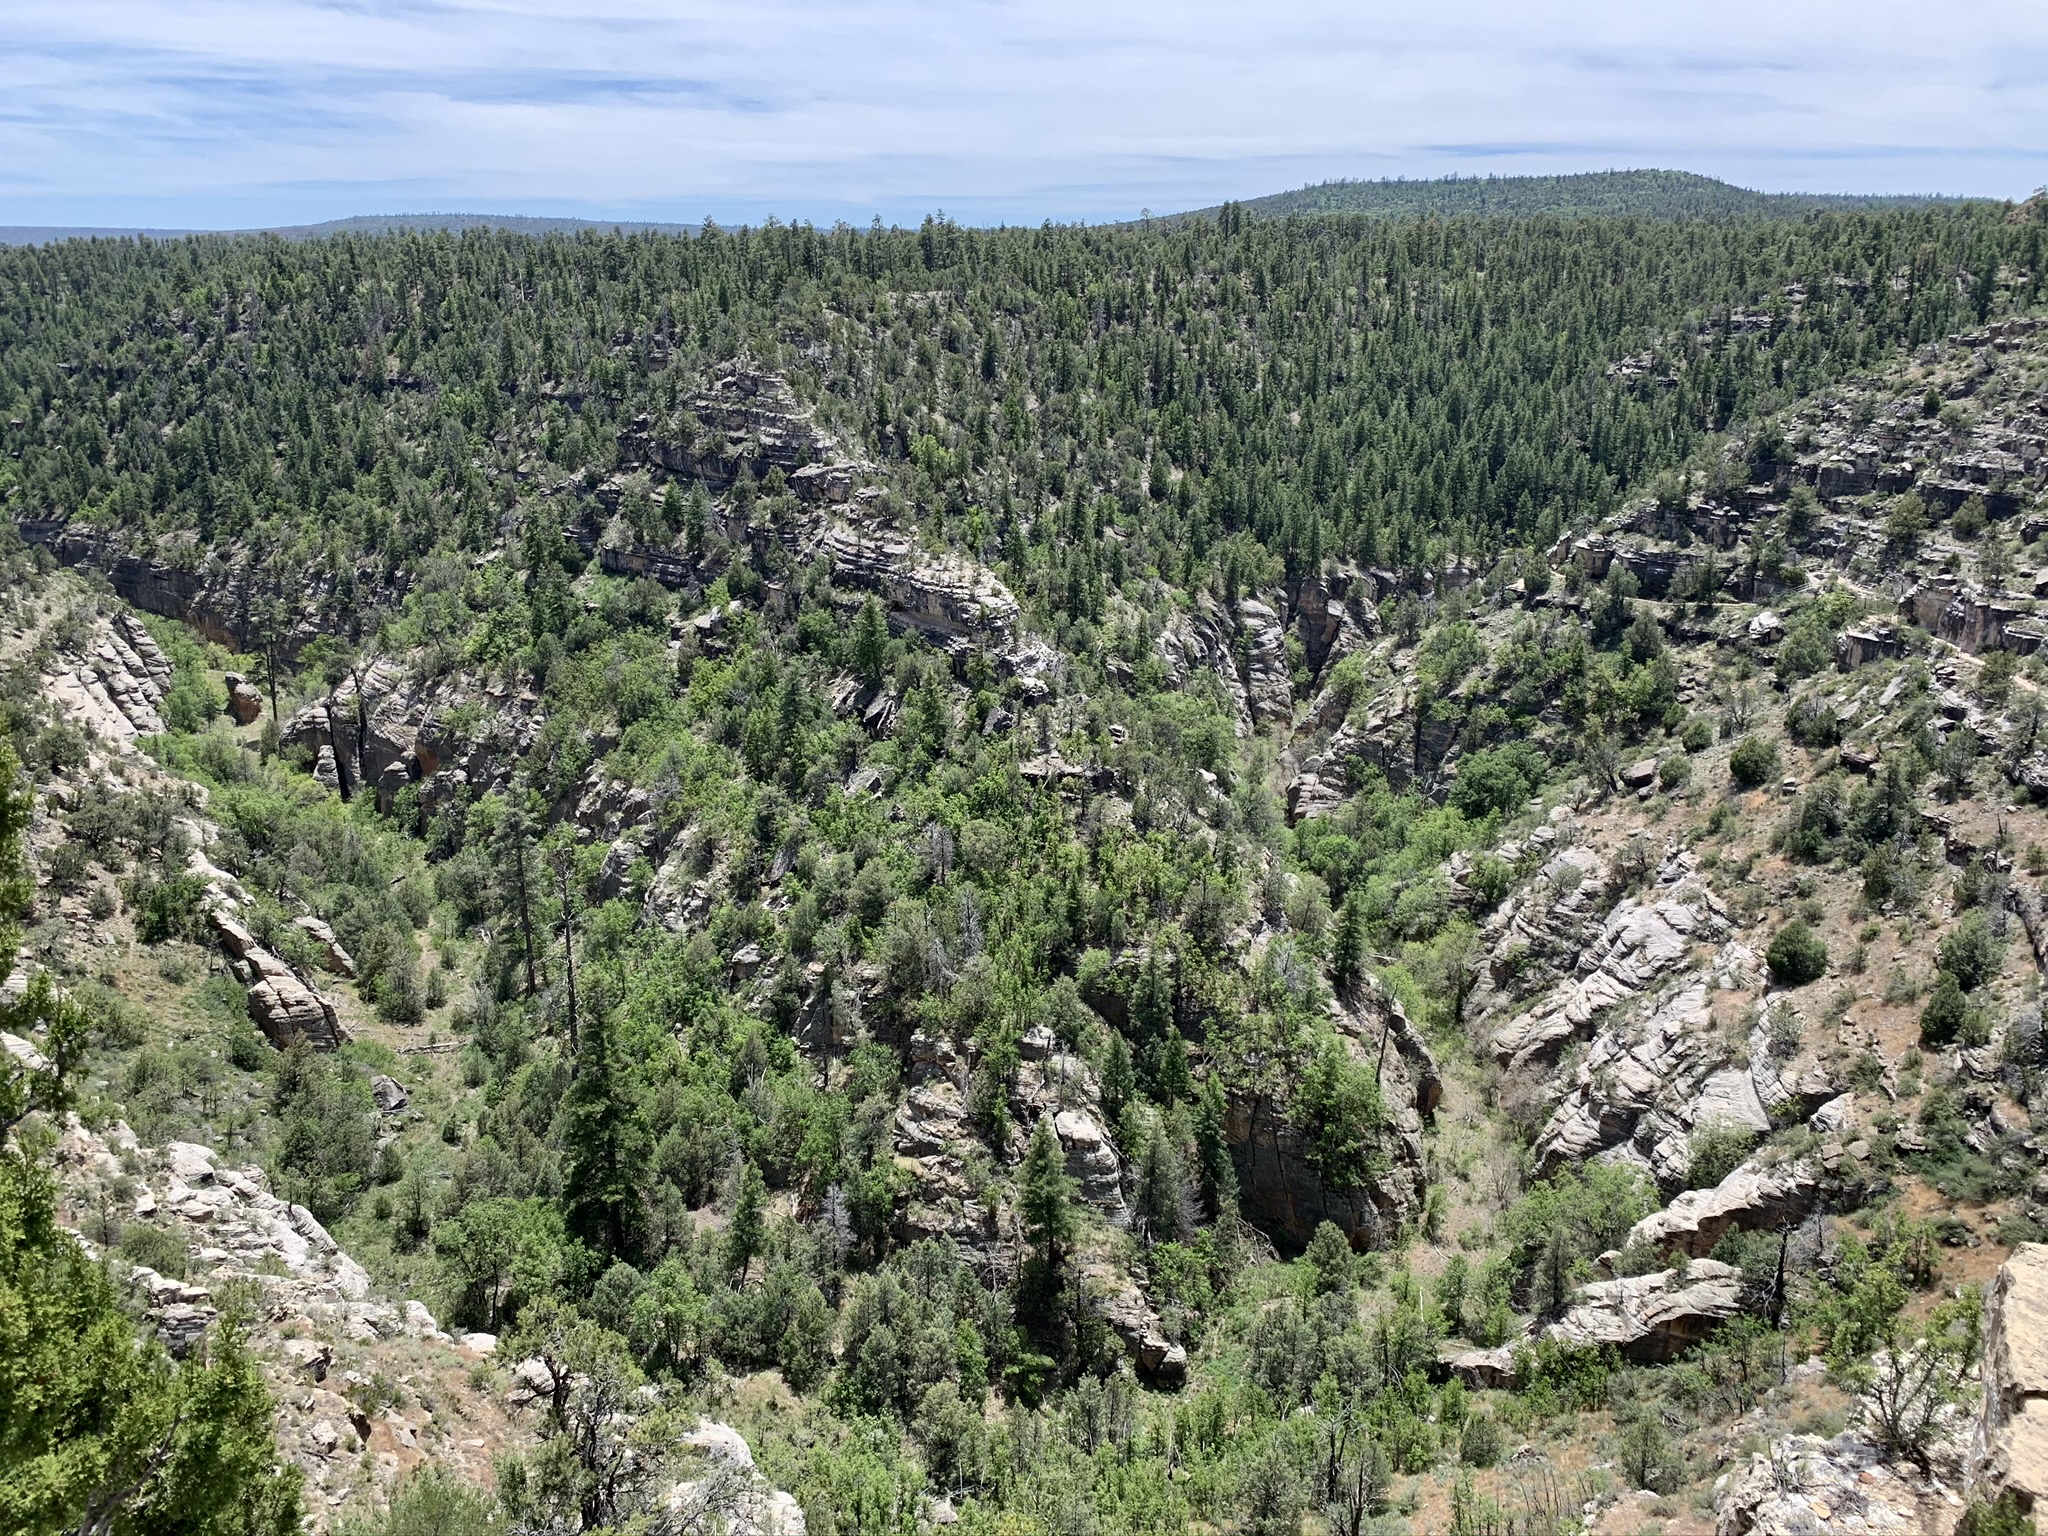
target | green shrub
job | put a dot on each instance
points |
(1480, 1444)
(1947, 1010)
(155, 1248)
(1970, 951)
(169, 909)
(1753, 762)
(1797, 955)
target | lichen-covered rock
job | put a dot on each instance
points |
(2009, 1446)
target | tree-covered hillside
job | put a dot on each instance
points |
(1084, 876)
(1594, 194)
(1402, 394)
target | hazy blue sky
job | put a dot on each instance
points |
(235, 112)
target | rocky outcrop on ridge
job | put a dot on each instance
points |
(113, 685)
(319, 1332)
(950, 600)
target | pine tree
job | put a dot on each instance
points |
(512, 848)
(746, 1232)
(103, 1431)
(870, 643)
(1045, 1196)
(1347, 947)
(606, 1143)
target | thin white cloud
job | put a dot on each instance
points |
(244, 111)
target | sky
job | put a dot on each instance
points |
(241, 113)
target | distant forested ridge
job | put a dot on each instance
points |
(1189, 401)
(1593, 194)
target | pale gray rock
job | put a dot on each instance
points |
(1753, 1197)
(1653, 1318)
(2009, 1444)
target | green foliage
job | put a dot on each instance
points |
(1497, 779)
(1970, 951)
(324, 1127)
(1947, 1011)
(1753, 762)
(1558, 1227)
(1342, 1117)
(1715, 1151)
(101, 1431)
(1796, 955)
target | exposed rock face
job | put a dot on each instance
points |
(946, 598)
(733, 1496)
(116, 685)
(745, 419)
(283, 1003)
(389, 1094)
(1483, 1369)
(1196, 642)
(2009, 1447)
(1807, 1486)
(1653, 1318)
(1642, 940)
(1752, 1197)
(1645, 1085)
(1092, 1162)
(1278, 1186)
(332, 955)
(1158, 1359)
(1262, 662)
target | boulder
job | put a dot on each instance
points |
(1752, 1197)
(1482, 1369)
(1091, 1159)
(391, 1097)
(2009, 1446)
(245, 704)
(288, 1010)
(189, 1162)
(1650, 1319)
(1640, 775)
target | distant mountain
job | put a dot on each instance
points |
(362, 224)
(45, 234)
(1642, 194)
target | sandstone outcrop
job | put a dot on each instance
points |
(114, 685)
(732, 1495)
(2009, 1445)
(1755, 1196)
(1642, 940)
(1650, 1319)
(948, 599)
